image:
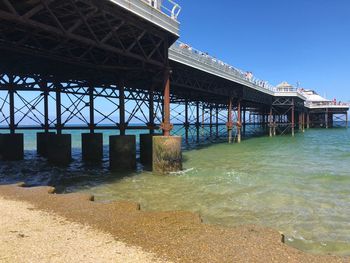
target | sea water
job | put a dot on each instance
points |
(298, 185)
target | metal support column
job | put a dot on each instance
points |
(229, 120)
(293, 116)
(244, 121)
(58, 108)
(308, 120)
(326, 118)
(239, 122)
(211, 121)
(270, 123)
(12, 104)
(151, 111)
(203, 116)
(12, 146)
(166, 125)
(46, 106)
(187, 125)
(274, 124)
(217, 120)
(91, 109)
(346, 120)
(122, 124)
(197, 122)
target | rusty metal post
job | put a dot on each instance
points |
(303, 121)
(308, 120)
(122, 124)
(167, 154)
(326, 118)
(229, 120)
(239, 122)
(166, 125)
(293, 116)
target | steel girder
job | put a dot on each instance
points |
(84, 33)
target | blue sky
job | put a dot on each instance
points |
(306, 41)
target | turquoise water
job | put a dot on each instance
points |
(299, 186)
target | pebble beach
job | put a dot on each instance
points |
(38, 225)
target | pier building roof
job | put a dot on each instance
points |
(315, 101)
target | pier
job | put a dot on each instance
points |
(119, 65)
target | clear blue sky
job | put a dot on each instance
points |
(278, 40)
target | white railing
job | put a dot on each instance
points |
(286, 89)
(211, 61)
(290, 89)
(326, 103)
(167, 7)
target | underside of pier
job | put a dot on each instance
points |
(94, 65)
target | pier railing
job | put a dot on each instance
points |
(289, 89)
(331, 104)
(211, 61)
(168, 7)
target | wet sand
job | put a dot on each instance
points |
(175, 236)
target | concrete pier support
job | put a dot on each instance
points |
(122, 152)
(11, 147)
(59, 151)
(167, 154)
(42, 141)
(146, 149)
(92, 147)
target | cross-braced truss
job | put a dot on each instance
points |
(96, 35)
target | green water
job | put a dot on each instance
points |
(299, 186)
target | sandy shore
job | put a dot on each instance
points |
(176, 236)
(29, 235)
